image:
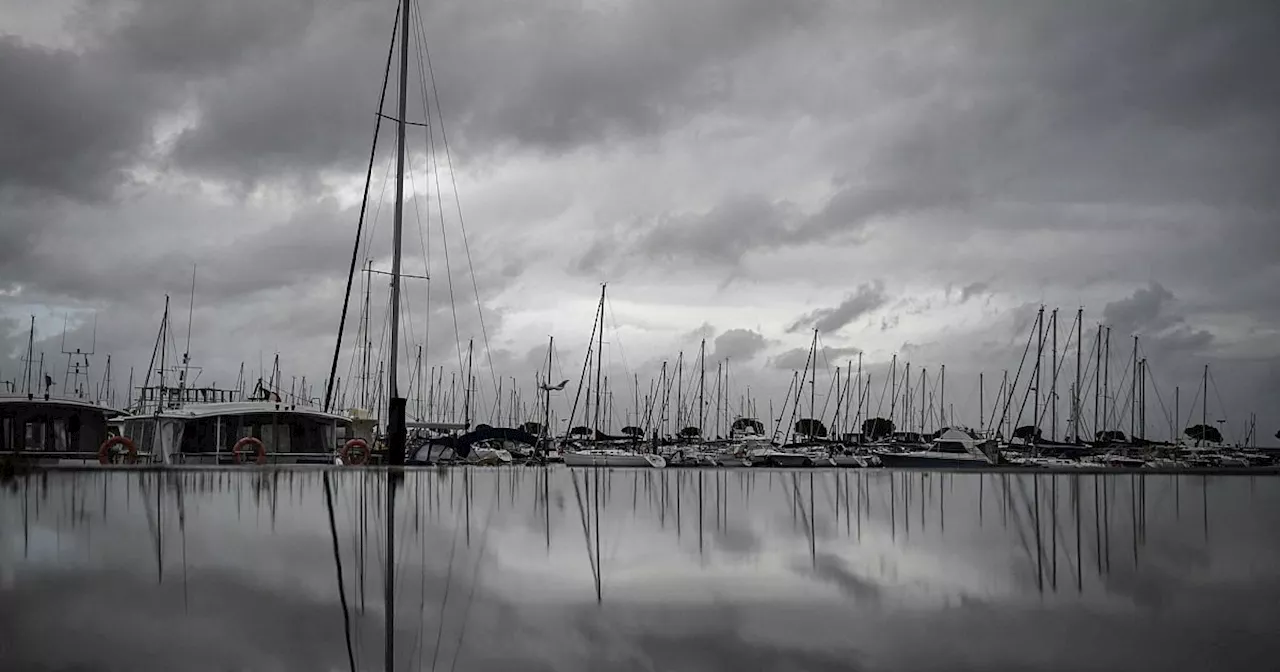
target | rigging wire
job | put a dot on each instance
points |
(355, 252)
(444, 137)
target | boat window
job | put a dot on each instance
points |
(142, 432)
(949, 447)
(200, 436)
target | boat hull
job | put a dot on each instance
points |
(586, 459)
(930, 461)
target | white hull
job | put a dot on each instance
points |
(590, 458)
(925, 459)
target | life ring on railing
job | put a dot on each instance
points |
(355, 452)
(105, 453)
(261, 449)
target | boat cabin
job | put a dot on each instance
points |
(53, 430)
(240, 432)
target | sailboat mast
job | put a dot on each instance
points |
(1204, 405)
(396, 404)
(1075, 397)
(546, 410)
(599, 359)
(1053, 380)
(858, 419)
(1133, 391)
(702, 385)
(1106, 384)
(31, 342)
(1035, 408)
(942, 399)
(981, 404)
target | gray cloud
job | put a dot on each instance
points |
(73, 123)
(739, 345)
(866, 299)
(726, 162)
(794, 359)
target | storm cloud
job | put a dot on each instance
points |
(748, 166)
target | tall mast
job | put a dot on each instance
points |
(365, 343)
(599, 358)
(164, 337)
(813, 384)
(1133, 392)
(1075, 397)
(466, 394)
(906, 399)
(395, 405)
(31, 342)
(981, 404)
(546, 411)
(942, 398)
(1053, 381)
(1204, 404)
(924, 373)
(1035, 408)
(680, 391)
(702, 384)
(1106, 384)
(1097, 382)
(858, 419)
(893, 389)
(719, 393)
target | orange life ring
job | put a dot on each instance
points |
(362, 452)
(104, 451)
(262, 450)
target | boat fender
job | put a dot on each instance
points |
(355, 452)
(104, 451)
(237, 450)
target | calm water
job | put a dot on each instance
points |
(639, 570)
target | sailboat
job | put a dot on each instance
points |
(597, 456)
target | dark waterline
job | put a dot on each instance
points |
(525, 568)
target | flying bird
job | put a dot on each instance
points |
(549, 388)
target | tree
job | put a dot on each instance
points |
(874, 429)
(580, 430)
(1110, 436)
(1203, 433)
(811, 428)
(690, 432)
(1027, 432)
(534, 428)
(633, 431)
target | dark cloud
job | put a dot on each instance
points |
(732, 160)
(866, 299)
(73, 124)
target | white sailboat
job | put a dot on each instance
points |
(610, 456)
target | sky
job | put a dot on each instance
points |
(908, 178)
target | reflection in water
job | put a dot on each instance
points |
(636, 569)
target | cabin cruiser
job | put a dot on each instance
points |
(245, 432)
(52, 430)
(954, 448)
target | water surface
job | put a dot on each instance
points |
(531, 569)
